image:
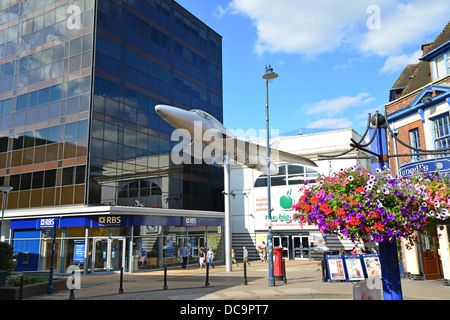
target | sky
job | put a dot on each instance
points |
(336, 59)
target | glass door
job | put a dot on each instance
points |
(108, 254)
(301, 248)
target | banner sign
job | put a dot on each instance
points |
(431, 165)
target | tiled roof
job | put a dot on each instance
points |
(418, 75)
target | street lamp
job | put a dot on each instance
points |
(269, 76)
(4, 190)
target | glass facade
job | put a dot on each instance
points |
(79, 81)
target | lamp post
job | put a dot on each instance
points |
(4, 190)
(269, 76)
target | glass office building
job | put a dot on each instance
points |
(80, 139)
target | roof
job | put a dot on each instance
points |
(415, 76)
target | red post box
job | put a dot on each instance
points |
(278, 263)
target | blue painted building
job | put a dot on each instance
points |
(418, 116)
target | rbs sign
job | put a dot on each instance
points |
(46, 223)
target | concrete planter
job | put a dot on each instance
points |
(31, 290)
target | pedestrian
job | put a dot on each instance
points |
(210, 256)
(233, 258)
(374, 250)
(353, 251)
(184, 255)
(245, 255)
(201, 258)
(263, 251)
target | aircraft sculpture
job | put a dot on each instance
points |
(198, 125)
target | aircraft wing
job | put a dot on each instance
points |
(254, 155)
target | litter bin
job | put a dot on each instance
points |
(278, 263)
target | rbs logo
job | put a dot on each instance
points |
(74, 21)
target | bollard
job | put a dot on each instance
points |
(72, 291)
(324, 271)
(207, 276)
(245, 273)
(21, 287)
(121, 281)
(284, 272)
(165, 278)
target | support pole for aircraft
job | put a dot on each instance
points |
(227, 196)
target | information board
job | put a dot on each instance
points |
(372, 264)
(335, 268)
(354, 267)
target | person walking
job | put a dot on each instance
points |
(184, 255)
(210, 256)
(245, 255)
(233, 258)
(201, 257)
(264, 252)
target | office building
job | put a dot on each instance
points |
(81, 143)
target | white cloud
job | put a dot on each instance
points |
(398, 63)
(313, 27)
(337, 105)
(330, 123)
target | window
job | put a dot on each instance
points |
(288, 175)
(415, 143)
(441, 132)
(441, 65)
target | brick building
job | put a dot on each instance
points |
(418, 115)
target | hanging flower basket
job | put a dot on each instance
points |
(359, 205)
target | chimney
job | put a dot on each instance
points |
(426, 48)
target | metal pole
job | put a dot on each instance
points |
(269, 206)
(165, 287)
(207, 276)
(72, 291)
(3, 213)
(121, 281)
(228, 233)
(50, 279)
(245, 273)
(392, 289)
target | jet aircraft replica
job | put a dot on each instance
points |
(199, 126)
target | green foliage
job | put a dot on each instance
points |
(14, 279)
(6, 257)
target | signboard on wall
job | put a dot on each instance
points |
(432, 165)
(282, 200)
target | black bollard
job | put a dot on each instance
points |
(121, 281)
(207, 276)
(165, 278)
(284, 272)
(21, 287)
(245, 273)
(72, 291)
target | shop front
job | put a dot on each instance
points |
(107, 243)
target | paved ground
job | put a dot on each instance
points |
(304, 281)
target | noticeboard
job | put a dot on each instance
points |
(335, 268)
(354, 267)
(372, 265)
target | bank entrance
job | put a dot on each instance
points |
(108, 254)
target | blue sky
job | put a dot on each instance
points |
(336, 59)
